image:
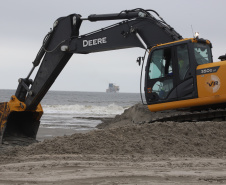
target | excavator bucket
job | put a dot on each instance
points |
(18, 126)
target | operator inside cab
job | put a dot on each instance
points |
(183, 60)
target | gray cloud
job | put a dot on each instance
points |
(24, 23)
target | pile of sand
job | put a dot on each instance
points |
(171, 139)
(134, 115)
(137, 114)
(122, 136)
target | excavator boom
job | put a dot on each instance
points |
(66, 41)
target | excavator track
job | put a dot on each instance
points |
(191, 116)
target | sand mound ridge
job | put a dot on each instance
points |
(201, 139)
(171, 139)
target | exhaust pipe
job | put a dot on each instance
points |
(17, 125)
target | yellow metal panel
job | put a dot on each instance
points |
(178, 41)
(211, 83)
(188, 103)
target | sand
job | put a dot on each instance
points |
(122, 151)
(47, 133)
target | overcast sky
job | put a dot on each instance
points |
(24, 23)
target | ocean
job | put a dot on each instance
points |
(80, 111)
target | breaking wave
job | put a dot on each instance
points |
(109, 110)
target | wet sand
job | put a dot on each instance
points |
(105, 170)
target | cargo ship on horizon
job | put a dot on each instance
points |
(112, 88)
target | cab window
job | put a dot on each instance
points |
(183, 60)
(161, 64)
(161, 73)
(202, 53)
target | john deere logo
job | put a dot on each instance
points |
(212, 83)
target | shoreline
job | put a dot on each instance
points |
(47, 133)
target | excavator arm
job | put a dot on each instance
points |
(64, 40)
(139, 28)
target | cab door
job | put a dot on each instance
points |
(185, 81)
(170, 74)
(160, 77)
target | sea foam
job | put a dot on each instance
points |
(77, 109)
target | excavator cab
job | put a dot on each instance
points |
(182, 74)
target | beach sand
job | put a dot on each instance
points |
(47, 133)
(122, 152)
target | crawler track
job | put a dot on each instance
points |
(186, 115)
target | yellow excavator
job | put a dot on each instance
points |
(179, 73)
